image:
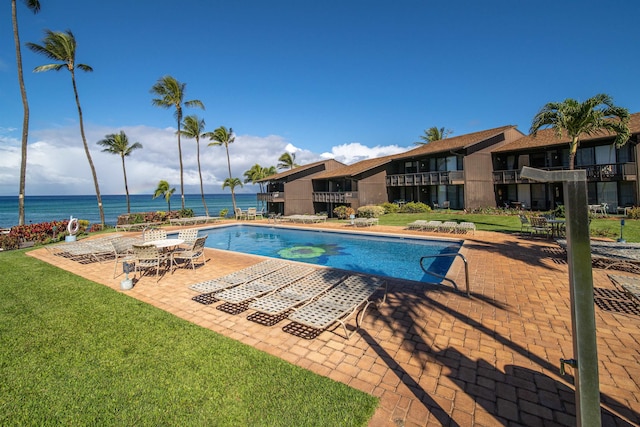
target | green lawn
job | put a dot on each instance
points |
(73, 352)
(600, 227)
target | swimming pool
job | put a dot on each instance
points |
(365, 253)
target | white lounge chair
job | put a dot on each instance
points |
(340, 303)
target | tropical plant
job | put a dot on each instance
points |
(194, 129)
(34, 6)
(370, 211)
(170, 94)
(61, 46)
(224, 136)
(343, 212)
(596, 115)
(433, 134)
(287, 161)
(232, 183)
(164, 191)
(118, 143)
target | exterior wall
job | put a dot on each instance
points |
(298, 197)
(372, 190)
(478, 185)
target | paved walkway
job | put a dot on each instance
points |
(432, 355)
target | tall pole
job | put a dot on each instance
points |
(583, 324)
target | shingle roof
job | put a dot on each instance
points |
(547, 137)
(455, 143)
(296, 170)
(443, 145)
(356, 168)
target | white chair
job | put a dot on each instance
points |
(191, 255)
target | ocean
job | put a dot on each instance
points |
(48, 208)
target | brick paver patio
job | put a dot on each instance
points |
(432, 355)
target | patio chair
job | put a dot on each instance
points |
(298, 293)
(525, 224)
(154, 234)
(417, 224)
(189, 235)
(122, 252)
(340, 303)
(432, 225)
(240, 215)
(147, 257)
(539, 225)
(251, 213)
(268, 283)
(237, 278)
(191, 255)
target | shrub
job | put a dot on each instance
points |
(415, 207)
(185, 213)
(370, 211)
(390, 208)
(343, 212)
(223, 213)
(8, 242)
(633, 213)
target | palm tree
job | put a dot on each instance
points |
(118, 143)
(255, 174)
(171, 94)
(287, 161)
(194, 129)
(164, 191)
(434, 134)
(593, 116)
(232, 183)
(34, 6)
(222, 136)
(61, 46)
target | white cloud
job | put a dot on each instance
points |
(355, 152)
(57, 163)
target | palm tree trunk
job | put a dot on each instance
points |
(126, 187)
(233, 196)
(204, 203)
(572, 152)
(180, 157)
(86, 149)
(25, 120)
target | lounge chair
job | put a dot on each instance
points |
(242, 276)
(268, 283)
(418, 224)
(298, 293)
(466, 227)
(340, 303)
(448, 227)
(365, 222)
(627, 284)
(432, 225)
(192, 254)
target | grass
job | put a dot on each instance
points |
(600, 227)
(73, 352)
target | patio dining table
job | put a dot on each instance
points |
(557, 226)
(166, 245)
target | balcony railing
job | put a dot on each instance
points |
(275, 196)
(334, 196)
(606, 172)
(425, 178)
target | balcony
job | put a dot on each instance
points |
(426, 178)
(334, 196)
(595, 173)
(276, 196)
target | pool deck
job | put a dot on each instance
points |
(431, 354)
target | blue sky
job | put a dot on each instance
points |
(344, 79)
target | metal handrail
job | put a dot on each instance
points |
(466, 268)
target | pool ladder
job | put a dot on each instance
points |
(466, 269)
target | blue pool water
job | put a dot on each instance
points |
(365, 253)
